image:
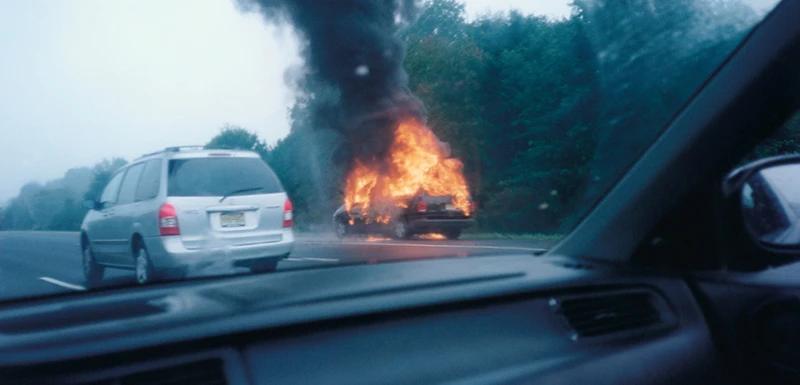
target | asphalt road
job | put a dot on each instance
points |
(39, 263)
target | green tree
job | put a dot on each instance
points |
(101, 175)
(45, 205)
(546, 85)
(441, 18)
(18, 214)
(69, 217)
(508, 93)
(652, 55)
(445, 67)
(57, 205)
(235, 137)
(36, 206)
(75, 180)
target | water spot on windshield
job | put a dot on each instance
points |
(362, 70)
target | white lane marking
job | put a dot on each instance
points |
(321, 259)
(430, 245)
(313, 259)
(62, 283)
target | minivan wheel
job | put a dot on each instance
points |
(92, 271)
(144, 269)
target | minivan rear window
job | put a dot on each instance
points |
(220, 176)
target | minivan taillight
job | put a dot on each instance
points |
(288, 220)
(422, 206)
(168, 220)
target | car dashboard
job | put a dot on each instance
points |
(489, 320)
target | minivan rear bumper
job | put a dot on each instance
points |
(168, 253)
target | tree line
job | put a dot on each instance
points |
(544, 113)
(58, 204)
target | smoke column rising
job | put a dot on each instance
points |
(353, 47)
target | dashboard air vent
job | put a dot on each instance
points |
(591, 316)
(206, 372)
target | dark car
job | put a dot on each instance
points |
(423, 214)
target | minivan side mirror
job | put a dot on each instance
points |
(91, 204)
(768, 195)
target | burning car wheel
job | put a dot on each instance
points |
(401, 230)
(452, 234)
(342, 229)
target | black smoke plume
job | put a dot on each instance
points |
(352, 48)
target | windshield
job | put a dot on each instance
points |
(378, 130)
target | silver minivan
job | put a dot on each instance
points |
(188, 209)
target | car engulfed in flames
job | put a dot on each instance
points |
(417, 189)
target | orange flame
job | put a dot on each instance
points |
(432, 236)
(418, 162)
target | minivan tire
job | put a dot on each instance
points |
(92, 271)
(143, 267)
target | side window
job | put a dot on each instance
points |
(150, 181)
(109, 196)
(128, 189)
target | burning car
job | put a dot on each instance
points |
(421, 214)
(416, 188)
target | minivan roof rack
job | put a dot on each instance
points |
(181, 148)
(226, 147)
(174, 149)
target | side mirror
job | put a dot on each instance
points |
(768, 193)
(91, 204)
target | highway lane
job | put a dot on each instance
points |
(40, 263)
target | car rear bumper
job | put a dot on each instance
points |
(423, 224)
(169, 253)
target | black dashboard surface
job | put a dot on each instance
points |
(473, 320)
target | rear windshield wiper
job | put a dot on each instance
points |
(239, 191)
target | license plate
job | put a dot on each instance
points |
(232, 219)
(450, 207)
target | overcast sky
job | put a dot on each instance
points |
(85, 80)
